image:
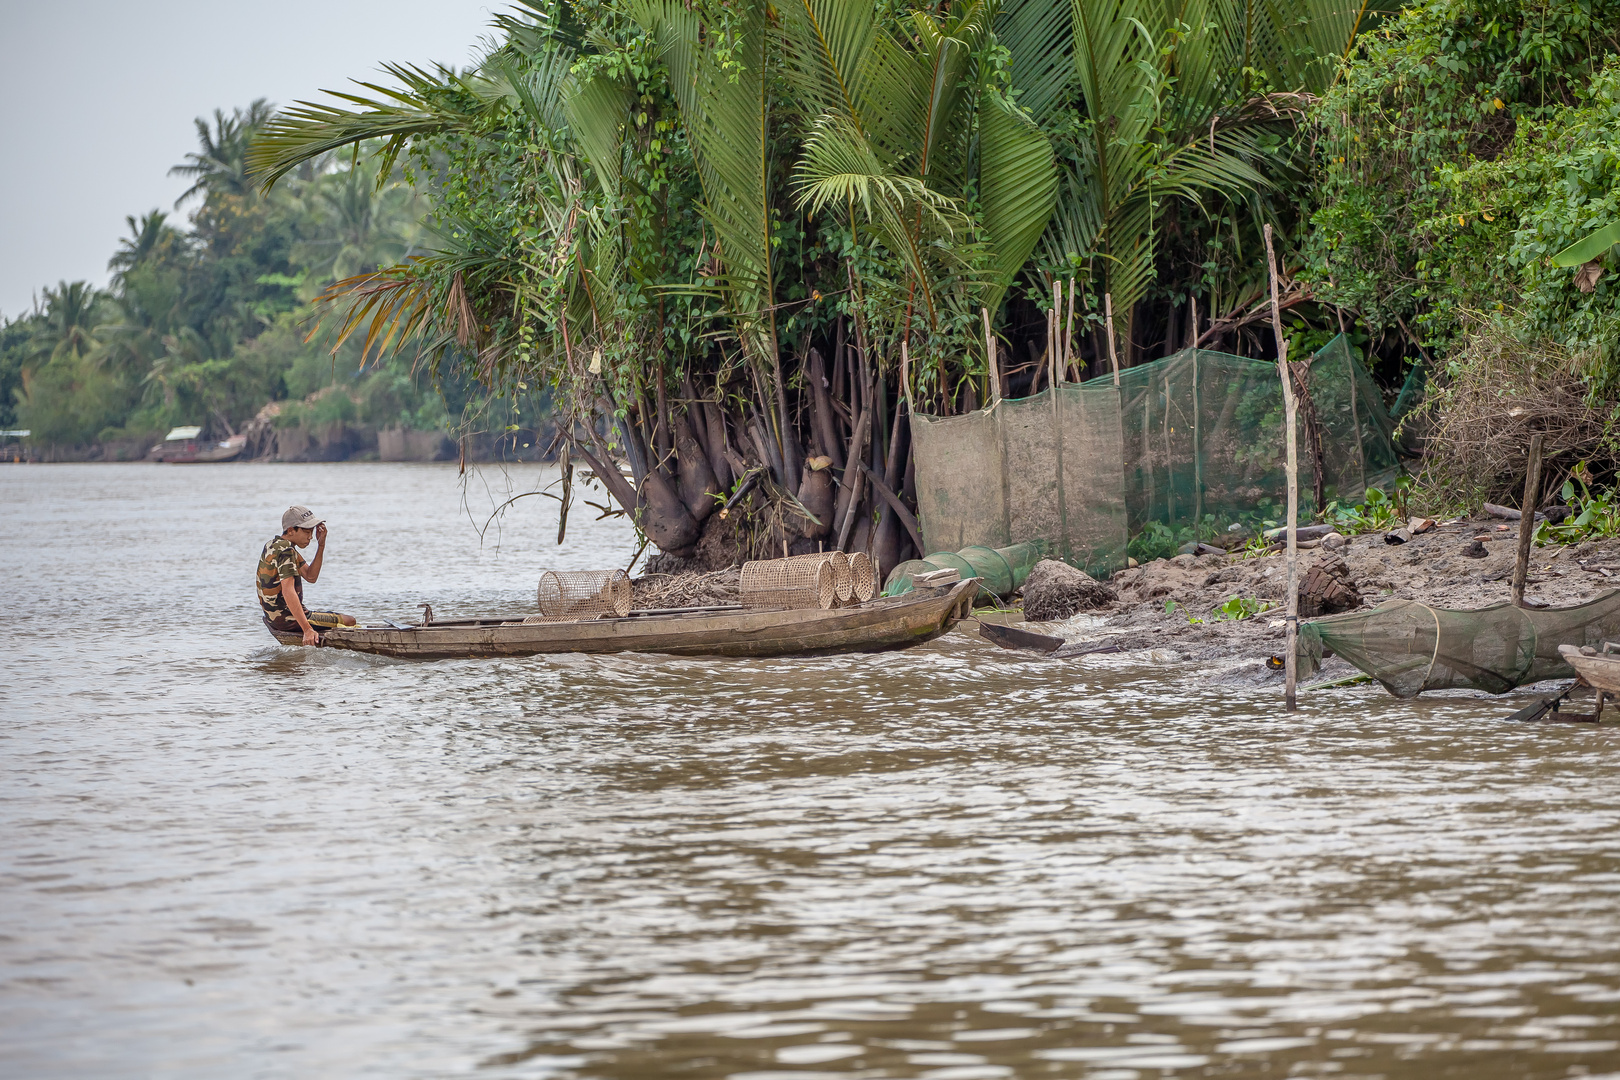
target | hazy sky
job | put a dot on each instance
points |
(97, 100)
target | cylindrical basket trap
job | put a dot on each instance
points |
(788, 583)
(584, 594)
(843, 579)
(864, 577)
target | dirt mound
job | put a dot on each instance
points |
(1058, 591)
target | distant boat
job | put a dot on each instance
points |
(181, 446)
(14, 452)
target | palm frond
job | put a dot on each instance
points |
(598, 109)
(726, 114)
(1039, 38)
(429, 103)
(1018, 185)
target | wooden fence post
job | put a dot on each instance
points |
(1527, 519)
(1291, 619)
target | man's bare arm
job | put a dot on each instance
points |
(312, 569)
(289, 593)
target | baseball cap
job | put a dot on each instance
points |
(299, 517)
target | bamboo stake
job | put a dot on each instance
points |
(1052, 331)
(1068, 338)
(1291, 620)
(905, 379)
(1527, 519)
(1057, 359)
(990, 356)
(1108, 313)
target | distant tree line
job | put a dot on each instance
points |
(206, 323)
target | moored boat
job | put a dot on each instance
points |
(1599, 670)
(879, 625)
(183, 446)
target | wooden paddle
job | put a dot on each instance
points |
(1012, 637)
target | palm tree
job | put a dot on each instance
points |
(145, 238)
(1171, 98)
(70, 328)
(219, 162)
(947, 176)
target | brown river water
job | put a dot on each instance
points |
(224, 858)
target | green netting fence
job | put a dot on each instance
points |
(1045, 469)
(1204, 438)
(1181, 448)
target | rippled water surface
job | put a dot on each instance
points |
(219, 857)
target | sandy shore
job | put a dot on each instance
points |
(1432, 567)
(1168, 610)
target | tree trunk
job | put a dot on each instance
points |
(838, 365)
(857, 445)
(787, 445)
(665, 518)
(697, 481)
(817, 495)
(693, 409)
(765, 446)
(633, 451)
(662, 443)
(718, 444)
(609, 474)
(821, 410)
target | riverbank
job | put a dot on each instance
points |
(1176, 605)
(322, 443)
(1224, 611)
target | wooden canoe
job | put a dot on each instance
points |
(879, 625)
(1600, 670)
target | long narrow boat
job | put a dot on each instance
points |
(879, 625)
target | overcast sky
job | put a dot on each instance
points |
(97, 100)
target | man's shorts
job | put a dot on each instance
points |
(322, 621)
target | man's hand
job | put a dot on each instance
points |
(320, 534)
(310, 636)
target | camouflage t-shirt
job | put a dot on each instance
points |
(280, 559)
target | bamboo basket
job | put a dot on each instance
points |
(583, 594)
(843, 578)
(864, 583)
(788, 583)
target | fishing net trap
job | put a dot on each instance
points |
(584, 594)
(1411, 647)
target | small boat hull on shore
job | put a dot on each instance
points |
(878, 625)
(1600, 670)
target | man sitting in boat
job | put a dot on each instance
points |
(283, 571)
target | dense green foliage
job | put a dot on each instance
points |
(1468, 141)
(647, 201)
(205, 325)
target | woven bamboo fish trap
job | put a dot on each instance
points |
(583, 594)
(843, 578)
(788, 583)
(864, 577)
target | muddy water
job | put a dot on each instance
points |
(219, 857)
